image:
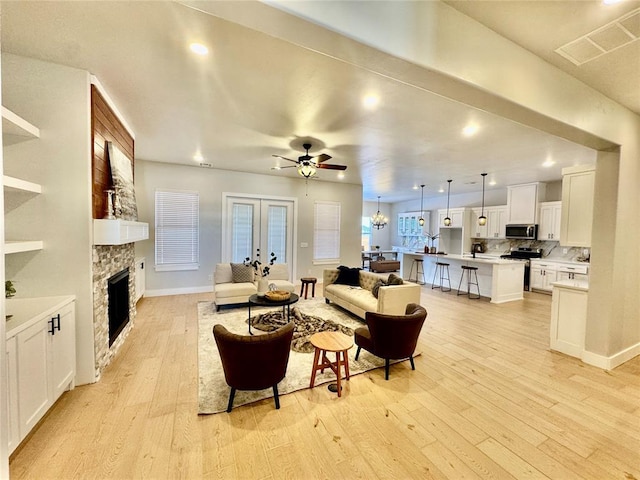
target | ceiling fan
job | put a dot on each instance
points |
(307, 165)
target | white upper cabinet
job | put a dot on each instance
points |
(522, 202)
(577, 206)
(497, 221)
(550, 215)
(479, 231)
(459, 217)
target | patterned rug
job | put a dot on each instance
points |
(213, 391)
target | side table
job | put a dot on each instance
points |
(330, 342)
(305, 286)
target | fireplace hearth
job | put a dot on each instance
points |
(118, 297)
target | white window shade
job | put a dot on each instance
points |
(177, 230)
(326, 232)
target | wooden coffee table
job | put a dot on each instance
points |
(330, 342)
(261, 301)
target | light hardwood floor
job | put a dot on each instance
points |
(487, 400)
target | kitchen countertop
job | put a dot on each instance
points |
(579, 285)
(480, 258)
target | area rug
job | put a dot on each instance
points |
(213, 391)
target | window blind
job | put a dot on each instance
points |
(241, 232)
(177, 230)
(326, 232)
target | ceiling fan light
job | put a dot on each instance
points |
(307, 170)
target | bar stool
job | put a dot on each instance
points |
(469, 271)
(305, 286)
(418, 263)
(441, 266)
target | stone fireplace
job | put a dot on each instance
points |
(109, 261)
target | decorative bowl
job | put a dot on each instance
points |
(277, 295)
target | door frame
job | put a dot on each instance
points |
(224, 244)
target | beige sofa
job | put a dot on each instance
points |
(392, 299)
(229, 293)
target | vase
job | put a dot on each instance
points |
(263, 286)
(433, 249)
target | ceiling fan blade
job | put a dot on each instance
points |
(329, 166)
(323, 157)
(280, 168)
(285, 158)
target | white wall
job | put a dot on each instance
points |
(211, 183)
(55, 99)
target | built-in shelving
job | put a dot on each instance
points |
(13, 184)
(15, 129)
(18, 246)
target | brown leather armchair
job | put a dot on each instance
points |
(254, 362)
(392, 337)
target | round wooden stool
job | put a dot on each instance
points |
(305, 286)
(330, 342)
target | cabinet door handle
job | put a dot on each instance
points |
(57, 317)
(52, 331)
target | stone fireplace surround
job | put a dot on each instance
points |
(107, 261)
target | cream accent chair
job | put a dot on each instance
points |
(229, 293)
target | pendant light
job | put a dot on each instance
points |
(421, 219)
(482, 220)
(447, 220)
(378, 220)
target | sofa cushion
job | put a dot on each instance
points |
(278, 271)
(376, 287)
(223, 273)
(242, 273)
(360, 297)
(285, 285)
(225, 290)
(348, 276)
(394, 279)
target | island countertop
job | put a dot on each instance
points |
(479, 258)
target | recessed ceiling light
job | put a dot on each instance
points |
(610, 2)
(198, 48)
(371, 101)
(415, 187)
(340, 175)
(548, 163)
(198, 157)
(469, 130)
(441, 190)
(492, 182)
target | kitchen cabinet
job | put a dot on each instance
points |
(42, 362)
(15, 130)
(542, 275)
(409, 226)
(140, 277)
(522, 202)
(460, 218)
(550, 215)
(573, 272)
(577, 206)
(568, 317)
(496, 222)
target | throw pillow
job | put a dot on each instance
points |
(376, 287)
(348, 276)
(394, 279)
(242, 273)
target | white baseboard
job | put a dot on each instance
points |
(177, 291)
(609, 363)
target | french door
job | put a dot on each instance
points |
(254, 227)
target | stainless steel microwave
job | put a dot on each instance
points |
(522, 232)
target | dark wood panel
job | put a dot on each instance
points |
(105, 127)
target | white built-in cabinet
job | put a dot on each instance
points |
(41, 354)
(409, 226)
(569, 318)
(459, 217)
(15, 130)
(522, 202)
(455, 238)
(543, 273)
(577, 206)
(140, 277)
(496, 222)
(550, 215)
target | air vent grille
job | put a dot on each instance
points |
(603, 40)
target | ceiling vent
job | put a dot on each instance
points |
(603, 40)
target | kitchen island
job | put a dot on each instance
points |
(500, 280)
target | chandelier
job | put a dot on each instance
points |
(378, 220)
